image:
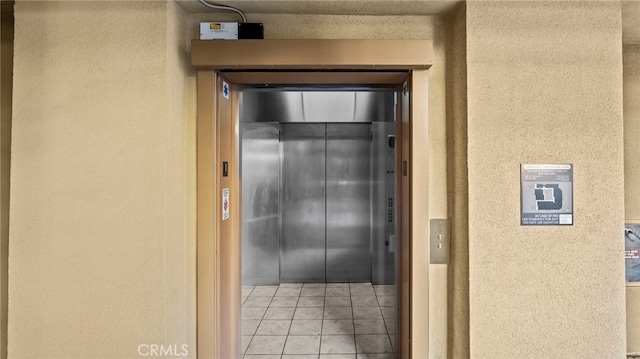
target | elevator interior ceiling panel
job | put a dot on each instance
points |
(317, 106)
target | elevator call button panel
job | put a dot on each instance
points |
(440, 241)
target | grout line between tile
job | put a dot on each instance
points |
(322, 319)
(353, 320)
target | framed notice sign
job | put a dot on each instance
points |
(225, 204)
(632, 252)
(546, 194)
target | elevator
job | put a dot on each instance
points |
(317, 175)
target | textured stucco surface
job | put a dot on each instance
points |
(309, 26)
(633, 320)
(545, 86)
(630, 22)
(179, 269)
(331, 7)
(101, 234)
(458, 308)
(437, 135)
(103, 213)
(631, 85)
(631, 82)
(103, 216)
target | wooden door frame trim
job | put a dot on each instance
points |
(312, 54)
(208, 171)
(206, 262)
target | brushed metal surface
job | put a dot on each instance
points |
(440, 241)
(302, 255)
(317, 196)
(260, 158)
(383, 202)
(295, 105)
(348, 202)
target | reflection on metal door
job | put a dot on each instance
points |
(260, 158)
(348, 181)
(302, 257)
(326, 203)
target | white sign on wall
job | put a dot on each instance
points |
(225, 204)
(546, 194)
(632, 252)
(225, 90)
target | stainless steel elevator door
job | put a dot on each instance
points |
(326, 203)
(260, 213)
(302, 255)
(348, 194)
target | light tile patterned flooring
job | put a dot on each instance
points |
(318, 321)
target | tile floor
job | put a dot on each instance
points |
(319, 321)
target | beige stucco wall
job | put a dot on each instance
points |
(101, 238)
(631, 130)
(179, 269)
(458, 308)
(631, 68)
(545, 86)
(103, 215)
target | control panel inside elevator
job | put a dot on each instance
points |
(318, 191)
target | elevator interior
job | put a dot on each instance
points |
(317, 174)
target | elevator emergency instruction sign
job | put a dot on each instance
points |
(225, 89)
(546, 194)
(632, 252)
(225, 204)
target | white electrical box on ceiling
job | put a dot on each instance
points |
(218, 30)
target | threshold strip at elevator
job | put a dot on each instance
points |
(318, 195)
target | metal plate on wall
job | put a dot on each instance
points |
(440, 241)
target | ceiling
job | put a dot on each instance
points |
(630, 9)
(331, 7)
(631, 22)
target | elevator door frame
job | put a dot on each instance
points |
(399, 64)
